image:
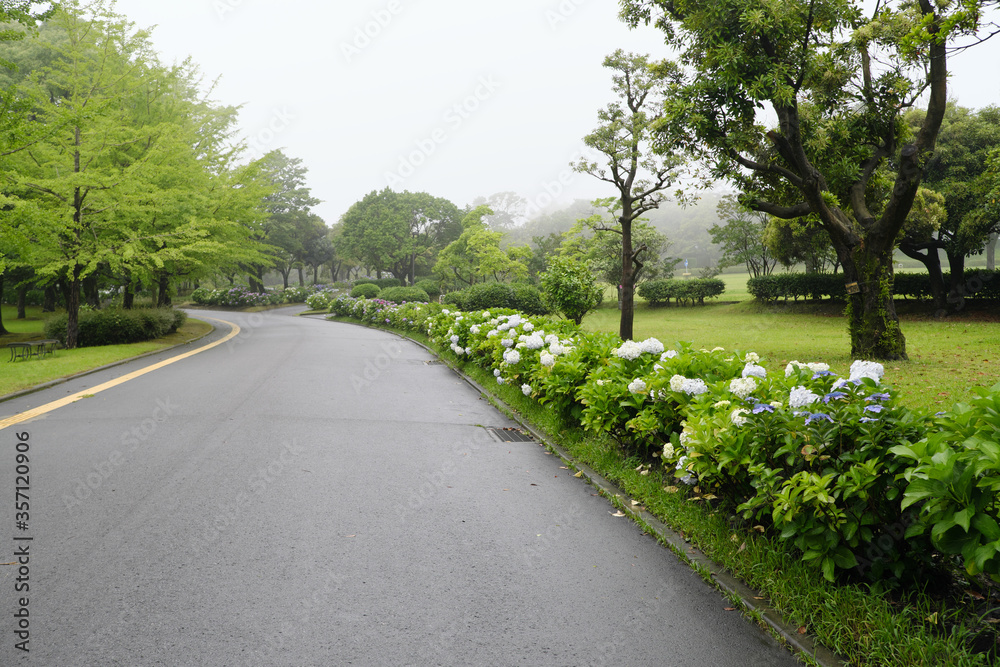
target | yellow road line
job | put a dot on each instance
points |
(55, 405)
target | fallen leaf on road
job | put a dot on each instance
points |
(730, 608)
(579, 474)
(563, 468)
(757, 597)
(350, 535)
(618, 513)
(634, 503)
(802, 630)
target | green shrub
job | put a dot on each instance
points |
(387, 282)
(114, 326)
(365, 291)
(528, 299)
(456, 299)
(432, 287)
(296, 294)
(570, 288)
(404, 294)
(660, 292)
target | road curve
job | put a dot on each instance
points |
(315, 493)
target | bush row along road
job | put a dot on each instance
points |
(313, 493)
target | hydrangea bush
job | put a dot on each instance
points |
(819, 460)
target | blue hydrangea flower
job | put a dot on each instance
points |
(879, 397)
(762, 407)
(867, 420)
(874, 408)
(834, 395)
(819, 416)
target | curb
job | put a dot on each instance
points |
(724, 581)
(63, 380)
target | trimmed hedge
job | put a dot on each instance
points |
(365, 291)
(660, 292)
(381, 282)
(114, 326)
(403, 294)
(522, 297)
(979, 284)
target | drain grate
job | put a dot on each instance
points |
(510, 435)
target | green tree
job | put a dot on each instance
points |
(742, 238)
(957, 171)
(571, 288)
(624, 138)
(399, 233)
(837, 81)
(477, 256)
(794, 241)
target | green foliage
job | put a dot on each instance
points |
(954, 483)
(477, 256)
(432, 287)
(235, 297)
(570, 288)
(741, 238)
(114, 326)
(456, 299)
(365, 291)
(795, 285)
(660, 292)
(404, 294)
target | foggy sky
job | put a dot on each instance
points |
(453, 97)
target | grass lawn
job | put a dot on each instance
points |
(18, 375)
(947, 357)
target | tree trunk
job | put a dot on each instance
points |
(22, 301)
(128, 297)
(163, 291)
(257, 281)
(71, 292)
(302, 278)
(284, 276)
(49, 299)
(932, 262)
(991, 248)
(628, 279)
(956, 282)
(3, 329)
(872, 320)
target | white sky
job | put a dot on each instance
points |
(526, 76)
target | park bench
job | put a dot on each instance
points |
(32, 348)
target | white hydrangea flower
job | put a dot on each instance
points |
(526, 389)
(446, 312)
(669, 354)
(512, 357)
(486, 315)
(867, 369)
(753, 370)
(777, 404)
(496, 372)
(652, 346)
(474, 329)
(507, 342)
(454, 339)
(637, 386)
(657, 367)
(547, 360)
(492, 332)
(694, 387)
(500, 380)
(528, 326)
(752, 358)
(552, 339)
(722, 404)
(629, 350)
(815, 367)
(468, 351)
(677, 383)
(801, 397)
(718, 349)
(668, 451)
(737, 417)
(534, 342)
(742, 387)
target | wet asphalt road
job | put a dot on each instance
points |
(314, 493)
